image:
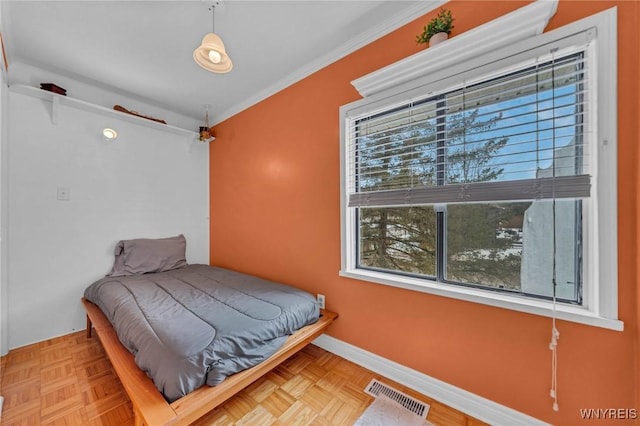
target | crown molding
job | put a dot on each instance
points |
(383, 28)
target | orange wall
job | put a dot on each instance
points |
(275, 188)
(637, 342)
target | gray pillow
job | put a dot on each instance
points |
(144, 255)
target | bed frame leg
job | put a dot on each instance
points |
(88, 327)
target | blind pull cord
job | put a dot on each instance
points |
(555, 334)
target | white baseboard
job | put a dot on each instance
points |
(460, 399)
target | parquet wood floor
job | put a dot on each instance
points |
(69, 381)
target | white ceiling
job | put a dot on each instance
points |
(145, 48)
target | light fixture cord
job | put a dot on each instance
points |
(213, 18)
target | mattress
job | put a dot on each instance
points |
(199, 324)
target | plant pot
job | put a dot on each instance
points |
(437, 38)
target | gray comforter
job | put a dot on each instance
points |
(199, 324)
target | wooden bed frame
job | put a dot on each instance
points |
(149, 406)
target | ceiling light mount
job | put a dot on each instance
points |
(109, 134)
(211, 54)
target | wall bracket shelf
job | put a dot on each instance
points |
(56, 100)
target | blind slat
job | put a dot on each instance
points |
(528, 189)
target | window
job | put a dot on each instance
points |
(459, 187)
(484, 184)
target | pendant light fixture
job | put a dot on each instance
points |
(211, 54)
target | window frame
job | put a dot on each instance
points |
(600, 281)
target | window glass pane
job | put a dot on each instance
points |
(472, 147)
(399, 239)
(510, 246)
(537, 246)
(397, 149)
(507, 128)
(484, 244)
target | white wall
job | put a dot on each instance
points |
(4, 348)
(4, 99)
(148, 183)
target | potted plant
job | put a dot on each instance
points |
(438, 29)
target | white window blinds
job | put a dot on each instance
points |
(518, 136)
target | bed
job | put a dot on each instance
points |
(184, 338)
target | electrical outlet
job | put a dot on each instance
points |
(321, 300)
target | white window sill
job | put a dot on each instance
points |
(522, 304)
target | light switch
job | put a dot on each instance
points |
(64, 193)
